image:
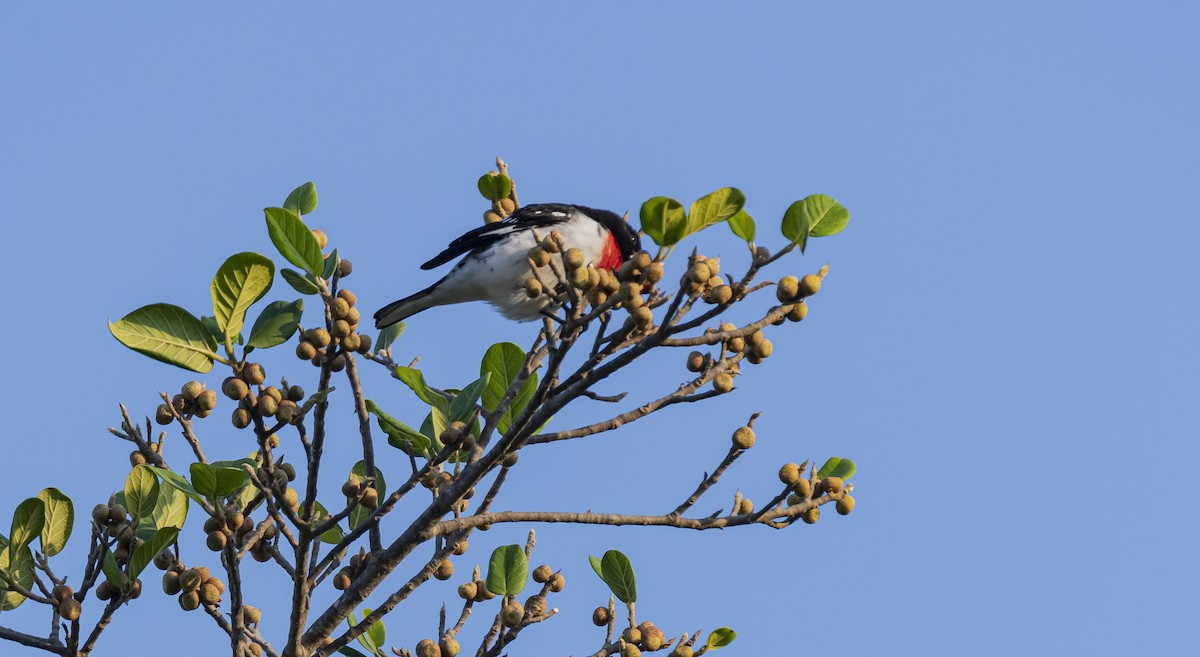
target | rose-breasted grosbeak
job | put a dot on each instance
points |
(496, 267)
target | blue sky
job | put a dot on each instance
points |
(1005, 343)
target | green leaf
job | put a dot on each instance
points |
(360, 513)
(176, 481)
(596, 566)
(465, 402)
(714, 208)
(742, 225)
(167, 333)
(828, 216)
(320, 514)
(388, 335)
(503, 362)
(350, 652)
(400, 435)
(145, 528)
(236, 463)
(276, 324)
(331, 264)
(28, 520)
(294, 240)
(719, 638)
(17, 561)
(438, 422)
(60, 519)
(795, 225)
(617, 572)
(299, 282)
(302, 200)
(210, 323)
(241, 280)
(146, 552)
(416, 381)
(663, 220)
(494, 188)
(245, 498)
(141, 491)
(817, 215)
(377, 632)
(366, 639)
(172, 508)
(508, 570)
(216, 482)
(112, 572)
(837, 467)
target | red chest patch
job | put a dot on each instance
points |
(610, 256)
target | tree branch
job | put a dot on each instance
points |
(32, 641)
(619, 520)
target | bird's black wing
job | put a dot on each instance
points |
(531, 216)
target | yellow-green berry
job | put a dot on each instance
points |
(798, 312)
(723, 382)
(789, 474)
(787, 289)
(743, 438)
(810, 285)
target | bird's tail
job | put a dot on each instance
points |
(406, 307)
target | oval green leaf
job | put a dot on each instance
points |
(141, 492)
(494, 188)
(617, 572)
(276, 324)
(210, 323)
(595, 563)
(241, 280)
(112, 572)
(466, 401)
(172, 507)
(299, 282)
(415, 380)
(714, 208)
(294, 240)
(331, 264)
(829, 216)
(719, 638)
(502, 363)
(60, 519)
(837, 467)
(145, 553)
(169, 334)
(796, 225)
(17, 561)
(216, 482)
(303, 199)
(320, 514)
(742, 225)
(388, 335)
(663, 220)
(174, 480)
(28, 520)
(508, 570)
(377, 633)
(432, 427)
(400, 435)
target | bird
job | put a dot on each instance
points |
(496, 266)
